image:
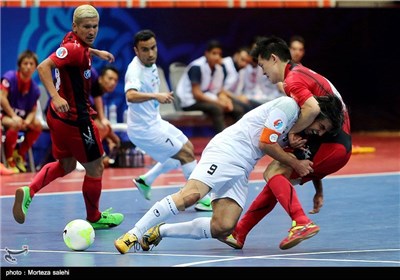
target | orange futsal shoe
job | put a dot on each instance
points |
(298, 233)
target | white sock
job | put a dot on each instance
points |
(199, 228)
(187, 168)
(160, 168)
(158, 213)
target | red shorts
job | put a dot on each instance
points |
(79, 139)
(328, 154)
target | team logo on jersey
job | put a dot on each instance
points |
(61, 52)
(273, 138)
(87, 74)
(5, 83)
(278, 124)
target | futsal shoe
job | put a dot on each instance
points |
(151, 237)
(19, 162)
(5, 171)
(143, 188)
(108, 220)
(21, 204)
(204, 204)
(233, 241)
(12, 165)
(298, 233)
(126, 242)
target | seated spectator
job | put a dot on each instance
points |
(201, 88)
(19, 95)
(102, 84)
(297, 48)
(233, 65)
(256, 88)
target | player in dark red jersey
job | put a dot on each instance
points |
(73, 133)
(329, 153)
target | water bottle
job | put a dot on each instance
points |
(113, 114)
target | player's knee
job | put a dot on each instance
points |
(221, 227)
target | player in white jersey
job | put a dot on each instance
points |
(224, 169)
(164, 142)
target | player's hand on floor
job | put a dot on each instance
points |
(318, 203)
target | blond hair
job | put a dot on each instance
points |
(84, 11)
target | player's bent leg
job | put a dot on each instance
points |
(190, 194)
(226, 213)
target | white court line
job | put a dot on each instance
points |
(224, 258)
(288, 257)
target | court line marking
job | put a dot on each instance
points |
(289, 257)
(224, 258)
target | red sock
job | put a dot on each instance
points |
(259, 208)
(91, 190)
(287, 197)
(10, 143)
(30, 137)
(47, 174)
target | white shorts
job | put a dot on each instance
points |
(223, 175)
(161, 142)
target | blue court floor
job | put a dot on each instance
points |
(360, 227)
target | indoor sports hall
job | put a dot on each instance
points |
(360, 220)
(349, 42)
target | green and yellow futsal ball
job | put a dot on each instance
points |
(78, 235)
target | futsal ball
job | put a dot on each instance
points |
(78, 235)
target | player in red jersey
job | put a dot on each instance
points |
(73, 132)
(328, 153)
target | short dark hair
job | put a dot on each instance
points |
(332, 109)
(143, 35)
(297, 38)
(266, 46)
(109, 67)
(213, 44)
(27, 54)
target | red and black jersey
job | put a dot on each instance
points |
(301, 83)
(73, 77)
